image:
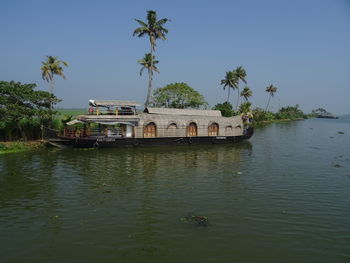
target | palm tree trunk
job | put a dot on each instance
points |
(237, 98)
(52, 86)
(149, 88)
(268, 103)
(228, 97)
(150, 78)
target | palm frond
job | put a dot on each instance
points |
(140, 31)
(143, 24)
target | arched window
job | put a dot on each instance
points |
(229, 130)
(238, 130)
(192, 129)
(150, 130)
(213, 129)
(172, 130)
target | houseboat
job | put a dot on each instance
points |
(115, 123)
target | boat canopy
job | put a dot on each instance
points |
(103, 122)
(74, 122)
(113, 103)
(115, 122)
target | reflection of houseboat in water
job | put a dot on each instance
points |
(112, 123)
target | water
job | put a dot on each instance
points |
(284, 196)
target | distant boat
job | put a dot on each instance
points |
(327, 116)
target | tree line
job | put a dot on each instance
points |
(23, 110)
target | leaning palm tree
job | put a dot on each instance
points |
(148, 62)
(51, 67)
(271, 90)
(154, 29)
(241, 74)
(246, 93)
(230, 81)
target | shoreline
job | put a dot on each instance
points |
(279, 120)
(26, 146)
(20, 146)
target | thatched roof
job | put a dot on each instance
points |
(113, 103)
(184, 120)
(183, 112)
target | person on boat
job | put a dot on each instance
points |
(91, 110)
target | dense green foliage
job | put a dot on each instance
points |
(289, 112)
(178, 95)
(225, 108)
(23, 110)
(245, 107)
(260, 115)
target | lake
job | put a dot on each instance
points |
(282, 196)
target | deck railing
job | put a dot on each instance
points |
(97, 111)
(92, 132)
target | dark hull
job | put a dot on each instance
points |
(327, 117)
(107, 142)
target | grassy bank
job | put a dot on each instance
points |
(71, 112)
(19, 146)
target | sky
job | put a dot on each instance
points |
(301, 47)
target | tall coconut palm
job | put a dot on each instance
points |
(271, 90)
(241, 74)
(51, 67)
(246, 93)
(154, 29)
(230, 81)
(148, 62)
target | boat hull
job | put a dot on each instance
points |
(108, 142)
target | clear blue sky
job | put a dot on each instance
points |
(302, 47)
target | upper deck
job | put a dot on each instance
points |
(113, 107)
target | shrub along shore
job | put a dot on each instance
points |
(20, 146)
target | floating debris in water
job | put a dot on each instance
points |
(196, 220)
(331, 137)
(337, 165)
(340, 132)
(239, 172)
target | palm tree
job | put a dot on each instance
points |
(241, 74)
(271, 90)
(155, 30)
(148, 62)
(51, 67)
(229, 81)
(246, 93)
